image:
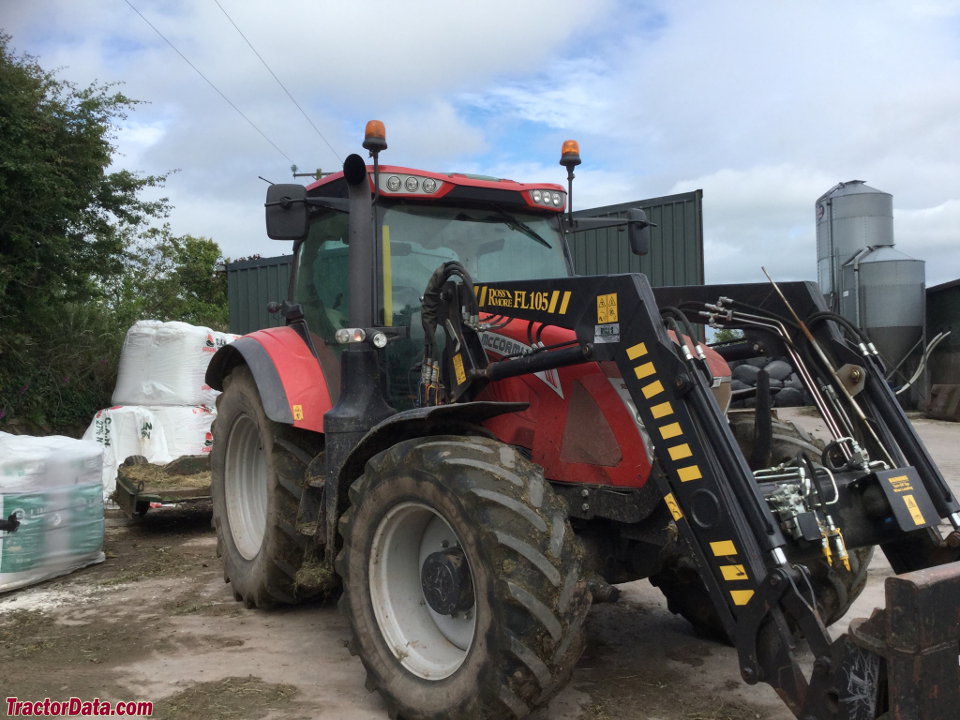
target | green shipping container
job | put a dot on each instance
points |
(676, 242)
(251, 285)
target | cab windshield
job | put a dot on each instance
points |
(492, 243)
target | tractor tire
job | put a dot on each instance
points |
(835, 588)
(257, 469)
(463, 581)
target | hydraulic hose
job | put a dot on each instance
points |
(923, 361)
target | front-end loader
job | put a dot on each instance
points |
(469, 443)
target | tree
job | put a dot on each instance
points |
(176, 278)
(724, 335)
(64, 220)
(65, 226)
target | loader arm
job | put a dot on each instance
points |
(719, 509)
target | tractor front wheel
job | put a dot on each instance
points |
(257, 468)
(462, 580)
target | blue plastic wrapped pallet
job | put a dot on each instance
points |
(52, 486)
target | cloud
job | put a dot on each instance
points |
(762, 105)
(761, 216)
(931, 234)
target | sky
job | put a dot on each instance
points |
(764, 106)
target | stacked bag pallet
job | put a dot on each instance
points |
(162, 407)
(52, 487)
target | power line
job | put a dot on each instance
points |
(289, 95)
(209, 82)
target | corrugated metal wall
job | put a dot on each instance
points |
(252, 284)
(676, 244)
(675, 258)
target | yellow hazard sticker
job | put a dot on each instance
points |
(915, 513)
(298, 412)
(458, 369)
(607, 309)
(900, 483)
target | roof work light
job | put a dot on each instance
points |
(375, 136)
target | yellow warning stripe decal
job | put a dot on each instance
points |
(723, 548)
(645, 370)
(673, 506)
(679, 452)
(652, 390)
(661, 410)
(670, 431)
(733, 572)
(689, 473)
(553, 301)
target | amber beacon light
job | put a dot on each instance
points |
(570, 154)
(375, 136)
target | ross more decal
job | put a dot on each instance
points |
(75, 707)
(550, 301)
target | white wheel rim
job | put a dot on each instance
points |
(430, 645)
(245, 487)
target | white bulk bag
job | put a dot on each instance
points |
(164, 363)
(53, 485)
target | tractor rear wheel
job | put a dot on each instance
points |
(462, 580)
(835, 587)
(257, 468)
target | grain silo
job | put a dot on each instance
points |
(862, 276)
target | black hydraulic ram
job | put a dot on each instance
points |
(536, 362)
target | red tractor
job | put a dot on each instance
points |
(470, 444)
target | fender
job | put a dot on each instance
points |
(292, 384)
(456, 419)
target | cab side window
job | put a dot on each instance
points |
(322, 286)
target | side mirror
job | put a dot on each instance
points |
(286, 212)
(638, 231)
